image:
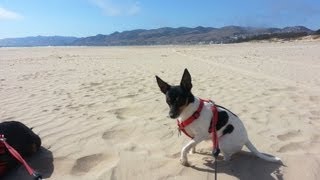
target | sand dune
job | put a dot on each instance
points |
(101, 115)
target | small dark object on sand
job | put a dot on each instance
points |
(21, 138)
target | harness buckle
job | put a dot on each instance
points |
(37, 176)
(179, 132)
(2, 138)
(216, 152)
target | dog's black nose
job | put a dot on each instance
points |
(173, 115)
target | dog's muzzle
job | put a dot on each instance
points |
(173, 115)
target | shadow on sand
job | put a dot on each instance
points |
(244, 165)
(42, 162)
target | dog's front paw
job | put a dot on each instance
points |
(184, 162)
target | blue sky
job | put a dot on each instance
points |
(19, 18)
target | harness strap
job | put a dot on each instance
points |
(193, 117)
(16, 155)
(188, 121)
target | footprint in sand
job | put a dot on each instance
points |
(95, 84)
(124, 113)
(119, 113)
(293, 146)
(84, 164)
(314, 98)
(173, 156)
(288, 135)
(116, 133)
(315, 113)
(56, 109)
(111, 134)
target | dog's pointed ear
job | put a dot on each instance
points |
(164, 87)
(186, 80)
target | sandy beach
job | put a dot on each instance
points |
(101, 115)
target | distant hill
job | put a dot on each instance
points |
(198, 35)
(37, 41)
(167, 35)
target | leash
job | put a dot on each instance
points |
(17, 156)
(215, 154)
(215, 141)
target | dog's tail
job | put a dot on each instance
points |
(266, 157)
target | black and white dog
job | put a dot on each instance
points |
(231, 132)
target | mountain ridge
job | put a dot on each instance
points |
(165, 36)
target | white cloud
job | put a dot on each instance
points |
(113, 8)
(8, 15)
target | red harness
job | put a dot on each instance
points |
(188, 121)
(195, 115)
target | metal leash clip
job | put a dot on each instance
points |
(37, 176)
(179, 132)
(2, 138)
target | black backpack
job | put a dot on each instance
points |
(16, 142)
